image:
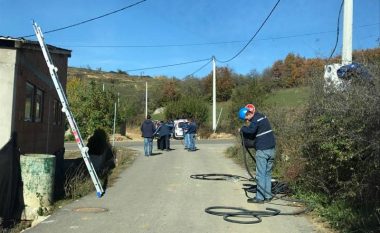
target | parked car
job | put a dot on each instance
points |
(178, 128)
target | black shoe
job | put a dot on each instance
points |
(255, 201)
(267, 200)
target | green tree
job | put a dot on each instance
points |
(225, 83)
(188, 107)
(92, 108)
(253, 92)
(170, 91)
(191, 86)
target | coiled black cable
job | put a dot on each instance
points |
(278, 188)
(219, 177)
(241, 213)
(234, 214)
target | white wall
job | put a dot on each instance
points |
(7, 82)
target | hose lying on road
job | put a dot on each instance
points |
(234, 214)
(241, 213)
(219, 177)
(277, 187)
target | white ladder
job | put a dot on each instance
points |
(65, 108)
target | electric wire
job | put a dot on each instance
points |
(337, 32)
(236, 214)
(89, 20)
(199, 69)
(254, 35)
(217, 176)
(158, 45)
(170, 65)
(278, 187)
(212, 43)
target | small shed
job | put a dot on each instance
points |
(31, 120)
(29, 101)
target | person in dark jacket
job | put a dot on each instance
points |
(192, 130)
(157, 135)
(164, 134)
(260, 130)
(147, 131)
(170, 125)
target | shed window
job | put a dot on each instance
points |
(28, 116)
(57, 108)
(34, 102)
(39, 102)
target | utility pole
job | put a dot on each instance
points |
(217, 122)
(118, 99)
(330, 75)
(213, 94)
(114, 125)
(347, 32)
(146, 99)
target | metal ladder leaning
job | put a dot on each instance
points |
(65, 108)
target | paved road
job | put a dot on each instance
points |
(137, 144)
(156, 195)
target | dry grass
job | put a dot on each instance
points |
(78, 182)
(221, 136)
(134, 134)
(124, 158)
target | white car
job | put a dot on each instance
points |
(178, 131)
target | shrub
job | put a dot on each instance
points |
(342, 148)
(252, 92)
(69, 137)
(98, 142)
(188, 107)
(288, 126)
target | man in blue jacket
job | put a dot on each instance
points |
(192, 130)
(147, 131)
(164, 134)
(260, 129)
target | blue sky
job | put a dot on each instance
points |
(143, 36)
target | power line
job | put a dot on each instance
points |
(89, 20)
(337, 31)
(312, 33)
(241, 50)
(157, 46)
(200, 68)
(170, 65)
(208, 43)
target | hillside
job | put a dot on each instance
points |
(290, 97)
(122, 83)
(98, 74)
(106, 77)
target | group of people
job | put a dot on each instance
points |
(257, 131)
(163, 131)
